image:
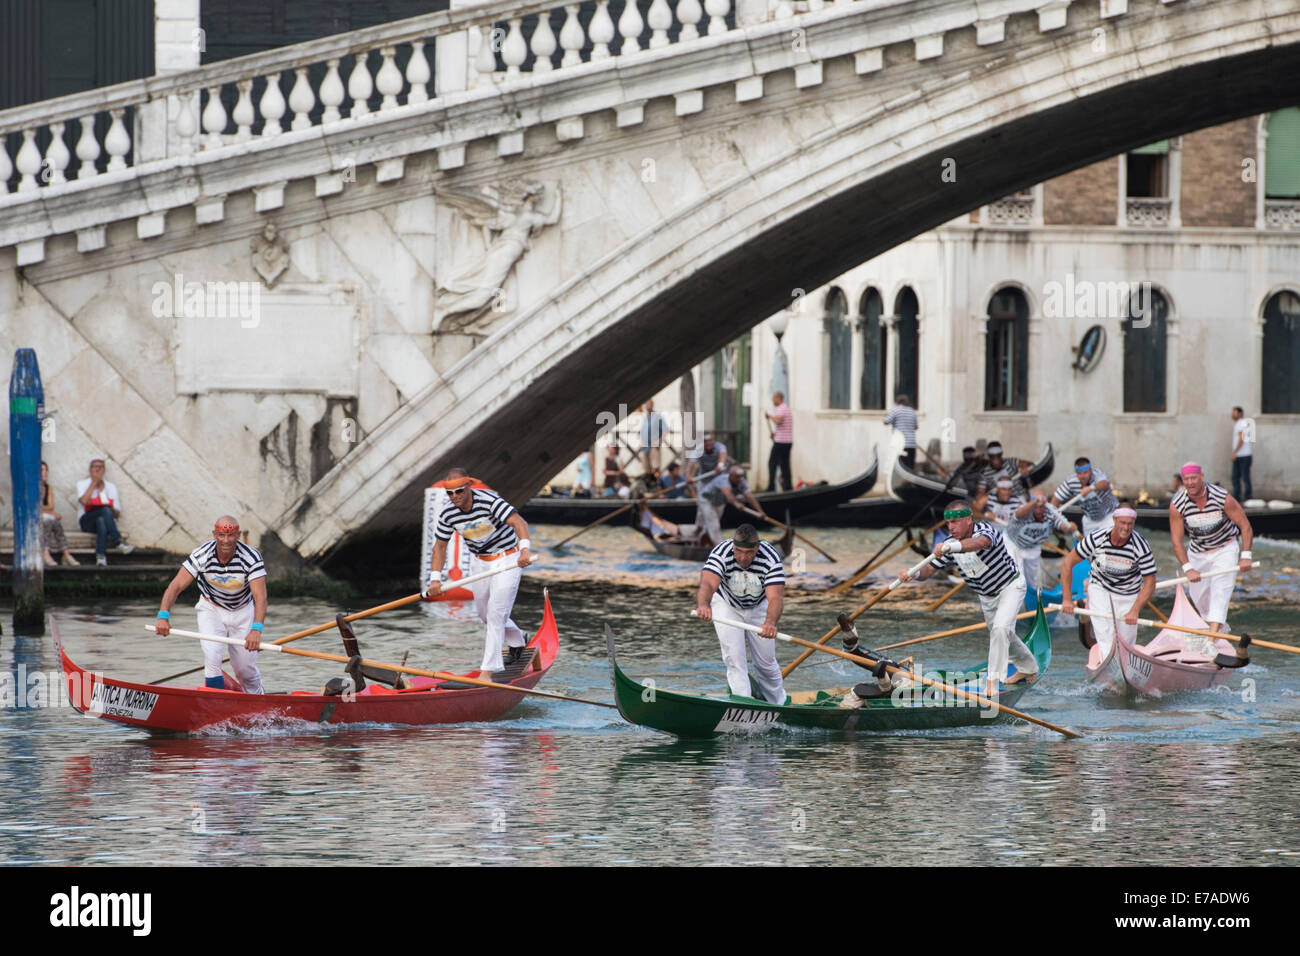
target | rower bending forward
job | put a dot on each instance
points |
(977, 551)
(1122, 566)
(1215, 526)
(232, 603)
(492, 530)
(743, 580)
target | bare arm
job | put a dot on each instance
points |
(254, 639)
(708, 585)
(435, 567)
(775, 604)
(1067, 580)
(179, 583)
(1237, 515)
(1148, 589)
(1176, 538)
(520, 526)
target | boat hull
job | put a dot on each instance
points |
(698, 716)
(161, 709)
(919, 490)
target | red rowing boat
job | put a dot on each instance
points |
(162, 709)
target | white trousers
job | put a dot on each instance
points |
(1026, 559)
(1000, 612)
(222, 623)
(1211, 596)
(1100, 600)
(494, 599)
(708, 518)
(761, 651)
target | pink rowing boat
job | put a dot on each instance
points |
(1175, 661)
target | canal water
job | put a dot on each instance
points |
(1195, 779)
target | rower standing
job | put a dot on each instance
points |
(999, 510)
(1033, 523)
(1216, 527)
(743, 580)
(232, 603)
(1123, 571)
(1092, 484)
(492, 530)
(999, 467)
(978, 552)
(705, 461)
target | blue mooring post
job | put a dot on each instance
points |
(26, 412)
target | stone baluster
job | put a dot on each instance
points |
(117, 142)
(572, 38)
(187, 124)
(29, 161)
(717, 11)
(389, 78)
(514, 50)
(331, 92)
(301, 99)
(815, 5)
(418, 74)
(630, 26)
(272, 106)
(660, 18)
(543, 43)
(243, 114)
(6, 165)
(214, 118)
(56, 157)
(87, 148)
(360, 86)
(489, 40)
(601, 31)
(690, 13)
(782, 10)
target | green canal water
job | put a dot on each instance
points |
(1195, 779)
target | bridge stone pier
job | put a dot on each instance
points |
(488, 226)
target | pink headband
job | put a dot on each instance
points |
(1191, 468)
(1125, 513)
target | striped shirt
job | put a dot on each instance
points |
(225, 585)
(784, 431)
(1097, 505)
(1209, 527)
(988, 479)
(1029, 532)
(483, 528)
(1004, 511)
(744, 587)
(986, 571)
(1118, 567)
(903, 418)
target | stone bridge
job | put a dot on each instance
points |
(492, 223)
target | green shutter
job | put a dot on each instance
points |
(1282, 155)
(1155, 149)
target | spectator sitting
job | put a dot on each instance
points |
(672, 479)
(52, 536)
(624, 488)
(613, 470)
(101, 506)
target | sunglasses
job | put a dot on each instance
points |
(458, 491)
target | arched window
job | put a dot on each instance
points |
(906, 360)
(839, 348)
(1280, 382)
(1144, 351)
(1006, 352)
(875, 345)
(1282, 155)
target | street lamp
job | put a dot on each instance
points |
(780, 366)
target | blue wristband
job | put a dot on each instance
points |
(165, 615)
(255, 626)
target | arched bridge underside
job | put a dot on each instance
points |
(807, 184)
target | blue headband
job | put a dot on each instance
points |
(1080, 469)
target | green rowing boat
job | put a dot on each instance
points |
(912, 707)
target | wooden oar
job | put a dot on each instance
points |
(949, 593)
(1147, 622)
(947, 688)
(875, 599)
(942, 470)
(783, 526)
(400, 602)
(956, 630)
(441, 675)
(618, 511)
(1208, 574)
(876, 561)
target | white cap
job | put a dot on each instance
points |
(95, 458)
